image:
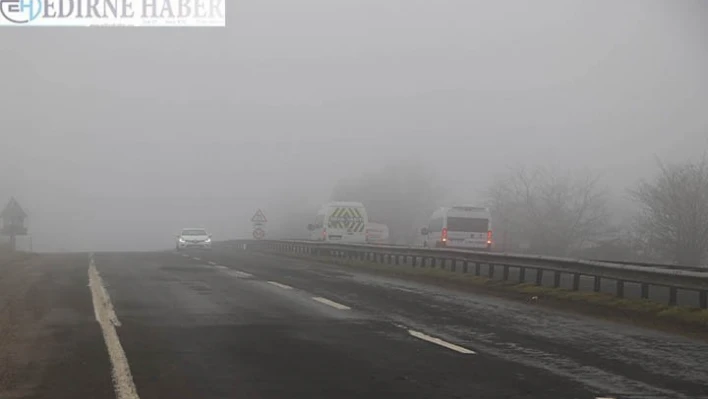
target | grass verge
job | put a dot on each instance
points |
(692, 322)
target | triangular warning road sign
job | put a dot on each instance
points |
(259, 217)
(13, 210)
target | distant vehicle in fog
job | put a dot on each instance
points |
(340, 221)
(193, 238)
(377, 233)
(459, 227)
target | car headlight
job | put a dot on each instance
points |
(181, 240)
(208, 240)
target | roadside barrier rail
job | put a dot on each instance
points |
(566, 273)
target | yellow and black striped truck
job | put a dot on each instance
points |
(340, 221)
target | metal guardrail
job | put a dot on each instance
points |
(520, 266)
(654, 264)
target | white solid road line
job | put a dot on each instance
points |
(330, 303)
(106, 317)
(283, 286)
(440, 342)
(198, 259)
(222, 267)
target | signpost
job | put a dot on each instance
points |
(259, 221)
(13, 222)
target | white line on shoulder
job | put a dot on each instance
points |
(123, 383)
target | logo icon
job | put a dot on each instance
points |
(21, 11)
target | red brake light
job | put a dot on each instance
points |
(489, 237)
(444, 234)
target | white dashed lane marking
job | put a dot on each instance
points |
(331, 303)
(198, 259)
(212, 263)
(239, 274)
(283, 286)
(440, 342)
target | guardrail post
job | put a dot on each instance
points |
(390, 259)
(397, 259)
(414, 260)
(522, 275)
(432, 262)
(672, 296)
(620, 288)
(453, 265)
(539, 276)
(490, 270)
(645, 291)
(597, 284)
(465, 266)
(703, 299)
(506, 272)
(477, 269)
(556, 279)
(576, 282)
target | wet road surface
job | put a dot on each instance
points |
(235, 324)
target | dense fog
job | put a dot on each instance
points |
(114, 139)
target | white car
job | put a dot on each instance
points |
(193, 238)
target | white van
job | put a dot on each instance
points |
(340, 221)
(459, 227)
(376, 233)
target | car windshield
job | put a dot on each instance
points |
(194, 232)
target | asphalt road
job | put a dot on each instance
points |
(234, 324)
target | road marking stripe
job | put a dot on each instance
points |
(330, 303)
(106, 317)
(222, 267)
(283, 286)
(185, 255)
(440, 342)
(240, 274)
(212, 263)
(198, 259)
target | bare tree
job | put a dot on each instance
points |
(673, 220)
(554, 212)
(400, 195)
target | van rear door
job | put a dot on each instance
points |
(347, 224)
(467, 231)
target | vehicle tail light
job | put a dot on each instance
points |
(324, 234)
(444, 234)
(489, 237)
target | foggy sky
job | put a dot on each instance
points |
(116, 138)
